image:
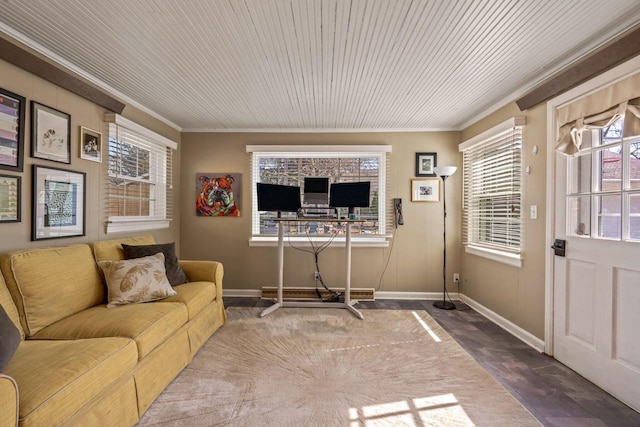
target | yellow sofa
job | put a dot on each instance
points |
(80, 363)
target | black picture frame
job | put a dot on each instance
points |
(50, 133)
(10, 196)
(12, 128)
(58, 203)
(425, 162)
(90, 144)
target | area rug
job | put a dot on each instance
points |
(325, 367)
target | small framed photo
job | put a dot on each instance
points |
(50, 134)
(10, 198)
(12, 112)
(425, 162)
(90, 144)
(59, 198)
(425, 190)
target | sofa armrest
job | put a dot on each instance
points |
(8, 401)
(204, 271)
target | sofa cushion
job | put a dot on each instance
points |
(52, 283)
(105, 250)
(174, 273)
(8, 401)
(195, 295)
(148, 324)
(136, 280)
(57, 378)
(9, 307)
(9, 339)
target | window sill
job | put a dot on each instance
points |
(514, 260)
(356, 242)
(124, 225)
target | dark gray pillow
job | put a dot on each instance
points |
(174, 273)
(9, 339)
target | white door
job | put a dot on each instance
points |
(597, 283)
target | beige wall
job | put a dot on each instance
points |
(416, 257)
(83, 113)
(516, 294)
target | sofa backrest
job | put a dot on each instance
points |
(50, 284)
(111, 250)
(9, 307)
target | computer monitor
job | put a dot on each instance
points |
(278, 198)
(316, 190)
(350, 195)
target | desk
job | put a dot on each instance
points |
(280, 302)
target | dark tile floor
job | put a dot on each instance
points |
(555, 394)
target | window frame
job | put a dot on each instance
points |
(595, 190)
(512, 256)
(160, 175)
(380, 151)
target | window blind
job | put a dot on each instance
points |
(288, 165)
(492, 190)
(139, 178)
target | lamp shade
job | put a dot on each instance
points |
(445, 171)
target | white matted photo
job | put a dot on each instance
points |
(58, 203)
(90, 144)
(425, 190)
(50, 133)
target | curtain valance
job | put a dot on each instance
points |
(599, 110)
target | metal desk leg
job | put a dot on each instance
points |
(280, 301)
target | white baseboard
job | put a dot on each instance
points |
(515, 330)
(413, 295)
(257, 293)
(242, 293)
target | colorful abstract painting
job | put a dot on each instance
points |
(218, 194)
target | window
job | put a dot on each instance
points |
(603, 197)
(138, 183)
(492, 199)
(289, 165)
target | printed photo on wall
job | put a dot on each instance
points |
(50, 130)
(218, 194)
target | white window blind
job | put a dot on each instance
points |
(289, 165)
(492, 168)
(138, 182)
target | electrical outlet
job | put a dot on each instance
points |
(316, 275)
(456, 278)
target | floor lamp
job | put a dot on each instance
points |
(444, 172)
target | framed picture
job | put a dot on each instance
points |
(218, 194)
(59, 198)
(425, 190)
(90, 144)
(50, 132)
(10, 199)
(12, 111)
(425, 162)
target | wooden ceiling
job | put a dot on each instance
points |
(315, 65)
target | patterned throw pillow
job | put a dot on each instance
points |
(136, 280)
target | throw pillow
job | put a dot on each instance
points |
(9, 339)
(136, 280)
(174, 273)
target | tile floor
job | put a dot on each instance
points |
(555, 394)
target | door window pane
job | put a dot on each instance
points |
(612, 133)
(610, 167)
(579, 210)
(609, 216)
(580, 174)
(634, 166)
(634, 216)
